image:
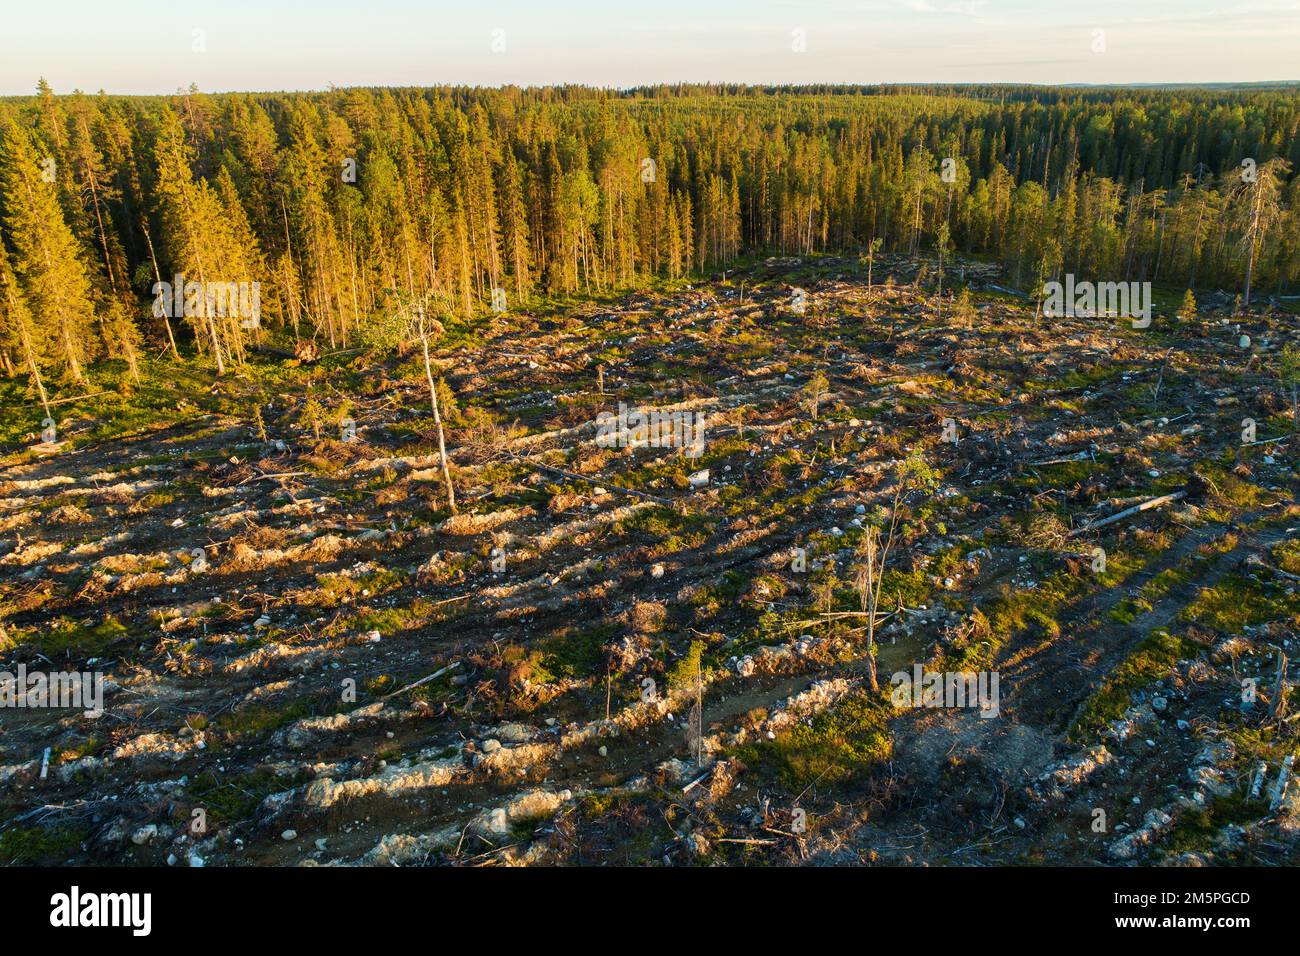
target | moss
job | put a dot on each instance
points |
(70, 639)
(394, 620)
(672, 529)
(1128, 610)
(714, 597)
(24, 846)
(1063, 475)
(1287, 556)
(1197, 829)
(259, 720)
(834, 747)
(1149, 662)
(596, 805)
(338, 588)
(1237, 602)
(575, 652)
(1227, 486)
(1013, 611)
(235, 797)
(909, 588)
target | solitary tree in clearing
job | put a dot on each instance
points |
(408, 323)
(875, 547)
(964, 309)
(815, 391)
(872, 248)
(424, 327)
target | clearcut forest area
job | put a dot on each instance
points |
(678, 476)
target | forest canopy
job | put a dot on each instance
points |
(339, 205)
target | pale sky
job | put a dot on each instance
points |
(150, 46)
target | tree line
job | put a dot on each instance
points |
(340, 205)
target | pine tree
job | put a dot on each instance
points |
(16, 330)
(53, 278)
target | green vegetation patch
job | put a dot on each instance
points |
(1237, 602)
(837, 745)
(1149, 662)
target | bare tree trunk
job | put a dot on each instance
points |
(171, 339)
(437, 416)
(1279, 693)
(1254, 238)
(35, 369)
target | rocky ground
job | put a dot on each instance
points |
(311, 661)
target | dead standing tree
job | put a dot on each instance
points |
(874, 550)
(422, 326)
(412, 322)
(1255, 202)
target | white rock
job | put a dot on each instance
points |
(288, 835)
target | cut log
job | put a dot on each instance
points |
(1279, 787)
(1129, 512)
(1003, 289)
(424, 680)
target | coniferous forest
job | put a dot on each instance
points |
(342, 203)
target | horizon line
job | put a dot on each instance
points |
(756, 85)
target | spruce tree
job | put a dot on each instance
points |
(47, 257)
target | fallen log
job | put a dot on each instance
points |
(1006, 291)
(424, 680)
(1129, 512)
